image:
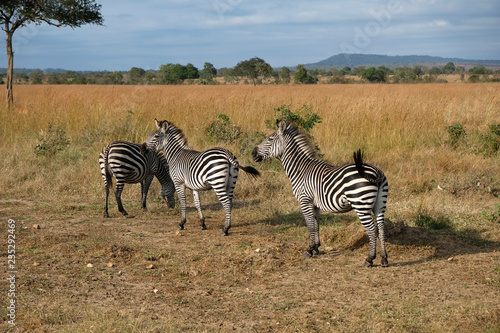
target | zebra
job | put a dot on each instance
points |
(320, 186)
(124, 161)
(215, 168)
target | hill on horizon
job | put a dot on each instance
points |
(357, 59)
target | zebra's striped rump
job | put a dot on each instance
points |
(318, 185)
(128, 165)
(216, 169)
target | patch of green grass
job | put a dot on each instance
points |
(429, 222)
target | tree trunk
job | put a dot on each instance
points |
(10, 71)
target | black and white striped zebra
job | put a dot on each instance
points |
(320, 186)
(215, 168)
(124, 161)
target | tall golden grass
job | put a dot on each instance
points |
(402, 129)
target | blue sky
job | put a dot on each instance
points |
(151, 33)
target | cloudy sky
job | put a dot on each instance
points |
(151, 33)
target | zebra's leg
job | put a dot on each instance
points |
(310, 212)
(144, 191)
(367, 222)
(379, 211)
(181, 192)
(381, 236)
(118, 195)
(225, 195)
(197, 204)
(227, 203)
(106, 196)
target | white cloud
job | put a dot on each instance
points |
(283, 32)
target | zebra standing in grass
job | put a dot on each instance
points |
(125, 161)
(320, 186)
(215, 168)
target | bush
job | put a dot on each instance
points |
(486, 144)
(489, 143)
(222, 129)
(456, 133)
(51, 141)
(304, 118)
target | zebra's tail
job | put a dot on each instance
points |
(106, 172)
(358, 160)
(248, 169)
(251, 171)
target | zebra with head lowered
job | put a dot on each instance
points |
(215, 168)
(124, 161)
(320, 186)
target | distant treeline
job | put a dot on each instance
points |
(253, 71)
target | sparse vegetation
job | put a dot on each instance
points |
(222, 130)
(146, 277)
(51, 141)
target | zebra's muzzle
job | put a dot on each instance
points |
(256, 156)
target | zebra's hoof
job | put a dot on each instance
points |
(385, 263)
(224, 233)
(203, 227)
(106, 215)
(308, 254)
(368, 263)
(180, 227)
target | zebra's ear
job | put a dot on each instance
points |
(164, 125)
(157, 123)
(281, 124)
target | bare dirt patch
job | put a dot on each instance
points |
(144, 276)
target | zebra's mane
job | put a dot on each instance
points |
(300, 140)
(177, 133)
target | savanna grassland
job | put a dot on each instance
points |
(80, 272)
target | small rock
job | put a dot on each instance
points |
(150, 266)
(450, 258)
(36, 226)
(110, 264)
(178, 233)
(155, 290)
(36, 264)
(90, 265)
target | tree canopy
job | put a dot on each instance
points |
(301, 76)
(253, 68)
(373, 74)
(58, 13)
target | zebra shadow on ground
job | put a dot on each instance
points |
(344, 233)
(445, 242)
(216, 205)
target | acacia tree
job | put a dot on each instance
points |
(208, 72)
(19, 13)
(253, 68)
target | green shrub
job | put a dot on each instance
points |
(222, 129)
(51, 141)
(304, 118)
(456, 134)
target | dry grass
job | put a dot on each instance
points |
(255, 279)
